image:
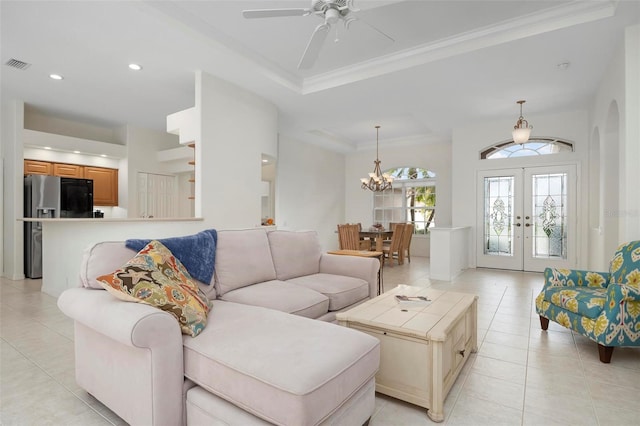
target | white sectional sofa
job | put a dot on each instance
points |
(263, 358)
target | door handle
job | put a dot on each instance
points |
(518, 224)
(527, 224)
(461, 352)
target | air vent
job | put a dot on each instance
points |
(14, 63)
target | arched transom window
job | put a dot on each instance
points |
(534, 146)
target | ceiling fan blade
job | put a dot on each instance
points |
(274, 13)
(348, 22)
(313, 47)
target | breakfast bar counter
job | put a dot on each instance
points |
(64, 241)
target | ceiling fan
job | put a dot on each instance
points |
(331, 11)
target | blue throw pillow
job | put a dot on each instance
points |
(196, 252)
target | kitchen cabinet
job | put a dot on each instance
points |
(68, 170)
(34, 167)
(105, 180)
(105, 185)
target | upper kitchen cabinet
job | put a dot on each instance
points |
(105, 185)
(68, 170)
(33, 167)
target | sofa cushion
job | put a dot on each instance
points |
(295, 254)
(105, 257)
(155, 277)
(196, 252)
(586, 301)
(342, 291)
(281, 296)
(242, 258)
(283, 368)
(102, 258)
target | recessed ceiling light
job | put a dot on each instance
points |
(563, 66)
(56, 76)
(76, 152)
(103, 155)
(265, 160)
(47, 147)
(135, 67)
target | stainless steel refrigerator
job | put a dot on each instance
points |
(51, 197)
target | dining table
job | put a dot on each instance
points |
(378, 236)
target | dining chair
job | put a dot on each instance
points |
(394, 246)
(349, 238)
(406, 241)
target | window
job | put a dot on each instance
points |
(535, 146)
(412, 199)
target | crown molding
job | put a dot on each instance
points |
(562, 16)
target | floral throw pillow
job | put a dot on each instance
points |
(155, 277)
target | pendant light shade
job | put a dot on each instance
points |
(522, 129)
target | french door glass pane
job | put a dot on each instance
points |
(498, 215)
(549, 215)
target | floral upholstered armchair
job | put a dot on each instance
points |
(603, 306)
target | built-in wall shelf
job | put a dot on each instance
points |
(183, 124)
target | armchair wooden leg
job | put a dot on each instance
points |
(544, 322)
(605, 353)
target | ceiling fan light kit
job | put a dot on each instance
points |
(522, 129)
(377, 181)
(331, 11)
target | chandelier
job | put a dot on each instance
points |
(377, 181)
(522, 130)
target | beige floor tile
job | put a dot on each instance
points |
(470, 411)
(396, 413)
(556, 380)
(507, 339)
(614, 416)
(574, 408)
(495, 390)
(504, 353)
(498, 369)
(532, 417)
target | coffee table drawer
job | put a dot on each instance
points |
(405, 365)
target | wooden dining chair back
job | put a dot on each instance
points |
(349, 238)
(406, 241)
(394, 246)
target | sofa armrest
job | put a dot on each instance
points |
(128, 355)
(624, 291)
(365, 268)
(557, 277)
(133, 324)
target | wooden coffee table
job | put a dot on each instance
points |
(422, 347)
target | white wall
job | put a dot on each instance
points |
(235, 128)
(631, 140)
(614, 119)
(310, 190)
(12, 197)
(142, 146)
(470, 140)
(434, 156)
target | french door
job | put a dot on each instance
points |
(527, 218)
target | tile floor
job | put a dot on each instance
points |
(520, 375)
